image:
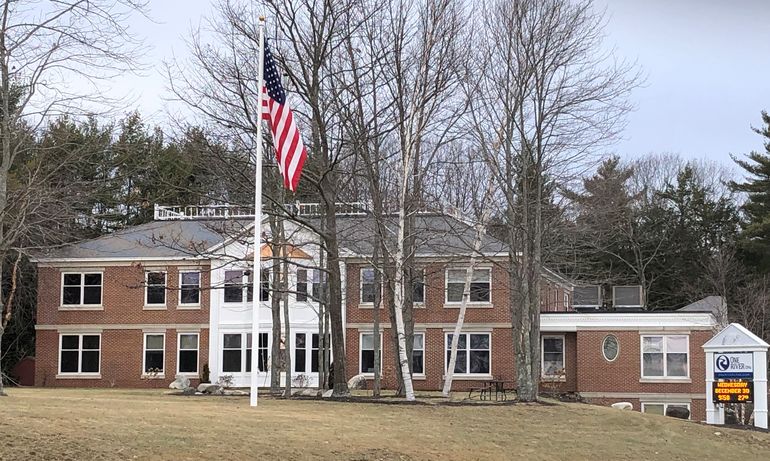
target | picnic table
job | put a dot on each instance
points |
(495, 387)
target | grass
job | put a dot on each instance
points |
(96, 424)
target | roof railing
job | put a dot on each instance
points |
(189, 212)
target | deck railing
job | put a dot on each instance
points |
(182, 212)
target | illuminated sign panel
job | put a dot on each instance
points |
(733, 391)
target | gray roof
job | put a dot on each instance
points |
(435, 235)
(158, 239)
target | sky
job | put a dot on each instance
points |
(706, 64)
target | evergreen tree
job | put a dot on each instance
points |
(754, 242)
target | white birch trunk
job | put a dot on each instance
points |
(480, 231)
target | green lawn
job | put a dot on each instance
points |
(130, 424)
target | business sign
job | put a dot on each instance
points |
(734, 365)
(737, 391)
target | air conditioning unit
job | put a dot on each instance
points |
(587, 297)
(627, 297)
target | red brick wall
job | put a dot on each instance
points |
(595, 374)
(433, 310)
(121, 349)
(502, 365)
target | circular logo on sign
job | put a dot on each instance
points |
(723, 363)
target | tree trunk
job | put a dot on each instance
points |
(376, 317)
(287, 323)
(335, 299)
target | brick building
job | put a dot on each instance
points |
(137, 307)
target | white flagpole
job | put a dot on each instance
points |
(256, 289)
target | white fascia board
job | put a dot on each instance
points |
(551, 322)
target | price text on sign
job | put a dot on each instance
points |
(733, 391)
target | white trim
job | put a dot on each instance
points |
(650, 321)
(179, 350)
(98, 328)
(144, 353)
(468, 375)
(424, 345)
(79, 373)
(191, 306)
(147, 304)
(82, 305)
(563, 357)
(665, 377)
(474, 304)
(361, 303)
(652, 396)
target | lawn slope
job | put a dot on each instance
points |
(121, 424)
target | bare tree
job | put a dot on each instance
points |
(544, 97)
(53, 58)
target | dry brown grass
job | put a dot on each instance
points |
(130, 424)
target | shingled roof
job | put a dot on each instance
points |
(436, 234)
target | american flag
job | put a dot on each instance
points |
(289, 150)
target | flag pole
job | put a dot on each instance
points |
(256, 290)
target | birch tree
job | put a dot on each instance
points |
(54, 58)
(544, 98)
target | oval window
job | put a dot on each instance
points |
(610, 347)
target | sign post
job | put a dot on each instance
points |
(736, 372)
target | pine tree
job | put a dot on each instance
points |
(754, 242)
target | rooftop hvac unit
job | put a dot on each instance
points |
(587, 297)
(627, 297)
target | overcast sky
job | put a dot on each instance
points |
(706, 64)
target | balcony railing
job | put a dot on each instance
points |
(183, 212)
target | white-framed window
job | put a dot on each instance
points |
(236, 352)
(155, 288)
(418, 287)
(610, 348)
(565, 299)
(79, 353)
(418, 354)
(665, 356)
(552, 356)
(309, 289)
(239, 285)
(366, 353)
(300, 353)
(81, 289)
(473, 353)
(661, 408)
(367, 285)
(480, 292)
(154, 355)
(187, 353)
(189, 288)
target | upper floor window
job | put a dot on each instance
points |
(155, 289)
(235, 286)
(418, 287)
(367, 285)
(665, 356)
(303, 285)
(190, 288)
(81, 289)
(480, 291)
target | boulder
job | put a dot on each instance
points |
(180, 382)
(678, 412)
(357, 382)
(623, 406)
(207, 388)
(188, 391)
(234, 392)
(327, 393)
(306, 392)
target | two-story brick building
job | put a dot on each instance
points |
(137, 307)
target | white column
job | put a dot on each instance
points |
(715, 413)
(760, 389)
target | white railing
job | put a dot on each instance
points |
(182, 212)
